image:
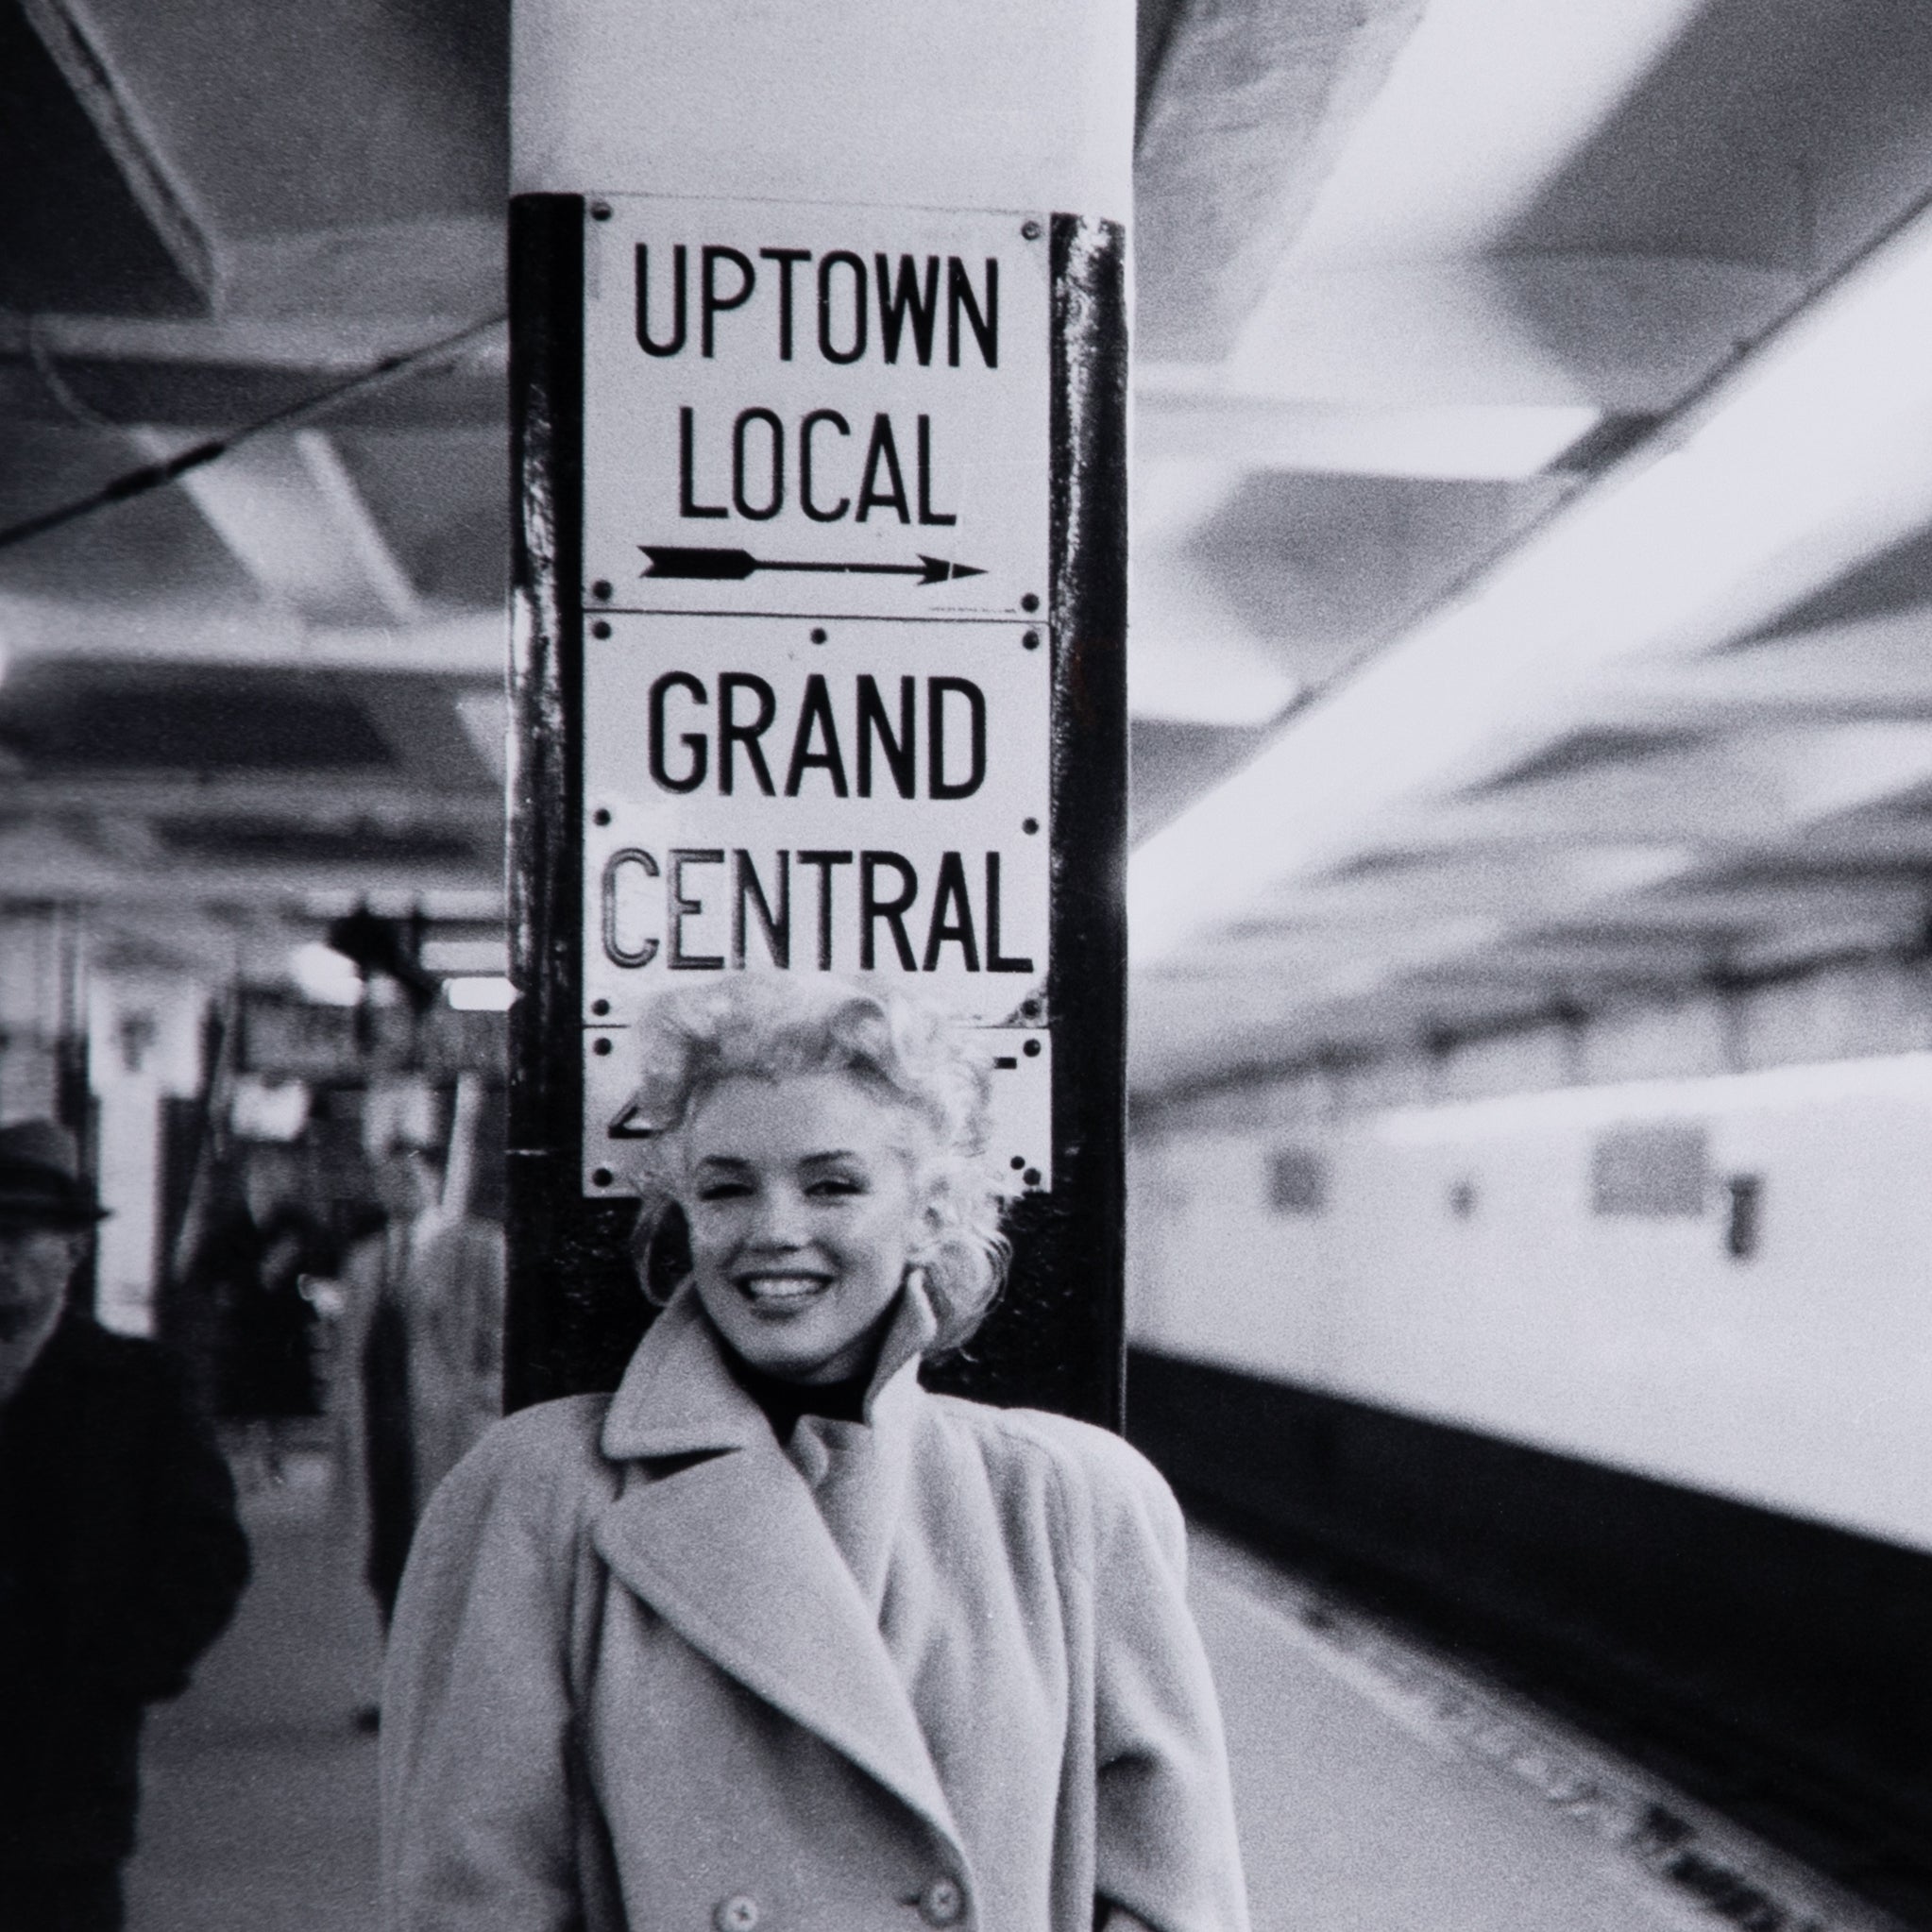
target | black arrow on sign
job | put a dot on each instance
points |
(734, 566)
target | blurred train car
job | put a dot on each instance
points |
(1620, 1385)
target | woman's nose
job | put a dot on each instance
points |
(778, 1219)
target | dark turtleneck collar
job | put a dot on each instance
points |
(785, 1401)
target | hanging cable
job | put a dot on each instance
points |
(154, 476)
(58, 386)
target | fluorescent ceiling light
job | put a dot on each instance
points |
(1469, 442)
(466, 956)
(1800, 1089)
(485, 720)
(1173, 499)
(485, 994)
(1812, 458)
(1191, 654)
(1204, 680)
(268, 1110)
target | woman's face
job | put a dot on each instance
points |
(804, 1212)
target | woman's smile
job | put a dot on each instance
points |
(781, 1292)
(804, 1215)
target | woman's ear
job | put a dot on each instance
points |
(666, 1257)
(929, 1217)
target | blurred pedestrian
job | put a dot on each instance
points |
(453, 1311)
(249, 1270)
(121, 1558)
(379, 1272)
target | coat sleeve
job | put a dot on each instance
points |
(168, 1556)
(1165, 1849)
(480, 1801)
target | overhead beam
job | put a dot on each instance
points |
(240, 370)
(291, 516)
(1873, 838)
(1481, 370)
(383, 577)
(49, 872)
(276, 798)
(458, 643)
(94, 216)
(1491, 881)
(1695, 906)
(1742, 793)
(1629, 335)
(440, 270)
(1876, 668)
(1807, 462)
(1490, 103)
(1248, 108)
(1301, 985)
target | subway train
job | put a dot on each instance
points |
(1617, 1385)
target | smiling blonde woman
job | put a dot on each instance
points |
(774, 1638)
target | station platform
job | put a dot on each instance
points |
(1380, 1786)
(257, 1810)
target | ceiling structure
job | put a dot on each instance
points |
(1531, 555)
(237, 705)
(1562, 466)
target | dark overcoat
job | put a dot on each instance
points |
(120, 1558)
(654, 1671)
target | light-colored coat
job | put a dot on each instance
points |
(453, 1305)
(651, 1671)
(445, 1273)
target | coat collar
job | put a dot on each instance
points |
(678, 1399)
(731, 1549)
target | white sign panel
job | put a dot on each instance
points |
(820, 409)
(818, 678)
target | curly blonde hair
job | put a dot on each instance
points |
(898, 1047)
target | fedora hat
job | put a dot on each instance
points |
(41, 1182)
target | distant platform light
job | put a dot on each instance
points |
(1297, 1181)
(268, 1108)
(492, 994)
(325, 976)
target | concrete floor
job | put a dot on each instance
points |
(260, 1813)
(1352, 1823)
(259, 1794)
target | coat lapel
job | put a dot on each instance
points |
(730, 1549)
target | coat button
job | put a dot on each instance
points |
(737, 1913)
(942, 1902)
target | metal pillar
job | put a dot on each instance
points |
(980, 148)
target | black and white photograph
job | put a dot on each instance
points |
(965, 964)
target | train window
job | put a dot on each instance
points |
(1297, 1181)
(1653, 1168)
(1744, 1218)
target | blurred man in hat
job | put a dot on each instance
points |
(121, 1558)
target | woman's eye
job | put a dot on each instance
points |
(724, 1191)
(832, 1186)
